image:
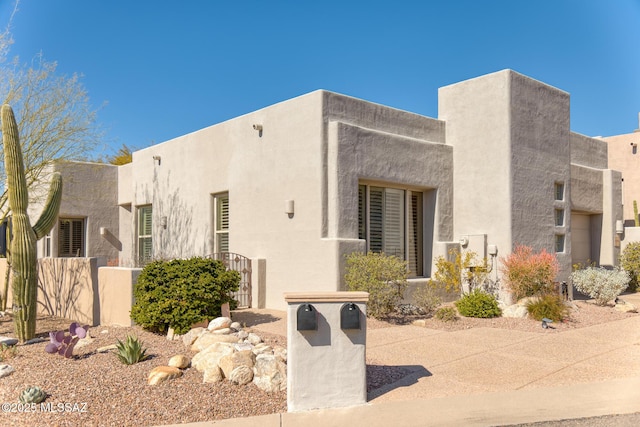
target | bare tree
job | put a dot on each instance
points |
(56, 120)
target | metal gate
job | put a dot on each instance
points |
(242, 265)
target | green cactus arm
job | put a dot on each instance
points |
(50, 213)
(16, 181)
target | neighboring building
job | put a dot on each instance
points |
(624, 156)
(301, 184)
(88, 219)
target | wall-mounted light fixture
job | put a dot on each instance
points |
(103, 231)
(163, 222)
(289, 208)
(619, 227)
(258, 127)
(157, 159)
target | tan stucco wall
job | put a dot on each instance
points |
(623, 156)
(115, 286)
(302, 154)
(88, 192)
(67, 287)
(512, 143)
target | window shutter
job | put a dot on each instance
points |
(71, 238)
(223, 213)
(414, 234)
(76, 238)
(362, 225)
(222, 223)
(145, 234)
(376, 219)
(64, 237)
(394, 222)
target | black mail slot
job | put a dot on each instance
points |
(350, 316)
(307, 318)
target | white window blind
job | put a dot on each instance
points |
(390, 220)
(71, 237)
(145, 231)
(222, 223)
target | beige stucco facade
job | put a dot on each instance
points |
(499, 167)
(624, 155)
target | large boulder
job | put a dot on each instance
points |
(232, 361)
(211, 356)
(161, 374)
(241, 375)
(270, 373)
(219, 323)
(206, 339)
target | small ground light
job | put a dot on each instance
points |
(545, 323)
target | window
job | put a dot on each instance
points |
(222, 223)
(559, 242)
(70, 237)
(390, 220)
(559, 191)
(559, 217)
(47, 245)
(145, 241)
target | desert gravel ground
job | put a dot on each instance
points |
(100, 391)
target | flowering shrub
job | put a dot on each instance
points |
(630, 261)
(383, 276)
(601, 284)
(529, 274)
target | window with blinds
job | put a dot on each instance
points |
(145, 229)
(71, 237)
(390, 220)
(222, 223)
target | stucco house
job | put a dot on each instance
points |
(297, 186)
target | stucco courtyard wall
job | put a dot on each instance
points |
(67, 287)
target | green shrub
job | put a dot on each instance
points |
(182, 292)
(427, 298)
(446, 314)
(549, 306)
(383, 276)
(630, 261)
(478, 303)
(601, 284)
(528, 274)
(131, 351)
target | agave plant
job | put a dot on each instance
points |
(32, 394)
(62, 343)
(131, 351)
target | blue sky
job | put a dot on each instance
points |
(166, 68)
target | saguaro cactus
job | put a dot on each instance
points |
(636, 219)
(22, 246)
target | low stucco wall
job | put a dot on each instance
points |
(116, 294)
(67, 287)
(80, 289)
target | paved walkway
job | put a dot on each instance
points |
(484, 376)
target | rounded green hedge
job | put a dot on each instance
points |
(182, 292)
(478, 304)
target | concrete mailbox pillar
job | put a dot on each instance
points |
(326, 340)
